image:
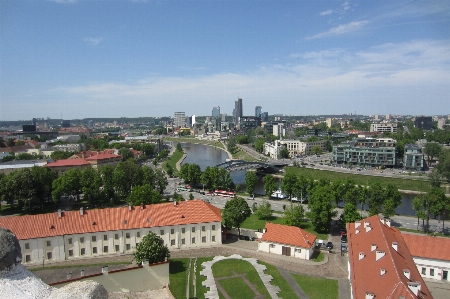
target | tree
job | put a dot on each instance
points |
(288, 184)
(418, 205)
(231, 145)
(60, 155)
(264, 210)
(90, 181)
(235, 212)
(126, 153)
(179, 148)
(127, 174)
(259, 144)
(444, 164)
(375, 198)
(350, 213)
(284, 153)
(270, 184)
(294, 214)
(316, 150)
(160, 181)
(144, 194)
(321, 208)
(151, 249)
(148, 149)
(107, 176)
(432, 150)
(10, 142)
(250, 182)
(241, 139)
(392, 199)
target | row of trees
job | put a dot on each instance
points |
(212, 178)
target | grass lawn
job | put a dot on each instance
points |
(172, 161)
(227, 267)
(236, 288)
(201, 290)
(178, 277)
(278, 280)
(241, 155)
(404, 183)
(252, 222)
(317, 257)
(317, 288)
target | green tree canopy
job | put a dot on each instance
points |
(321, 207)
(250, 182)
(270, 184)
(235, 212)
(294, 214)
(126, 153)
(231, 145)
(432, 150)
(284, 153)
(151, 248)
(264, 210)
(259, 144)
(288, 184)
(144, 194)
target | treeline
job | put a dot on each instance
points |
(212, 178)
(30, 188)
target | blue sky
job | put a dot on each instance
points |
(82, 59)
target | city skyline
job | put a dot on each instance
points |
(74, 59)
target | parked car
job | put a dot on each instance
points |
(344, 239)
(343, 232)
(329, 245)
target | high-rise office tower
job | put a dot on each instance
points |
(179, 119)
(216, 112)
(258, 110)
(265, 116)
(237, 112)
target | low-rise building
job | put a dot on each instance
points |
(287, 240)
(431, 255)
(273, 149)
(380, 264)
(61, 166)
(413, 157)
(301, 147)
(89, 233)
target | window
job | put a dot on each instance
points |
(83, 251)
(183, 230)
(71, 252)
(105, 249)
(48, 243)
(117, 248)
(82, 240)
(128, 246)
(94, 250)
(213, 227)
(138, 234)
(203, 228)
(193, 241)
(27, 245)
(161, 232)
(172, 242)
(431, 272)
(69, 241)
(424, 271)
(272, 245)
(94, 238)
(213, 238)
(28, 258)
(183, 241)
(203, 239)
(49, 255)
(298, 250)
(105, 237)
(127, 235)
(116, 236)
(193, 229)
(172, 231)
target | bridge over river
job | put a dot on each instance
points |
(235, 165)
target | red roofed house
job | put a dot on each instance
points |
(380, 264)
(61, 166)
(104, 159)
(431, 255)
(112, 231)
(287, 240)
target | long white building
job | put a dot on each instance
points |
(111, 231)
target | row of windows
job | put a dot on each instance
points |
(424, 271)
(183, 240)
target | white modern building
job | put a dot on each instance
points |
(179, 119)
(383, 127)
(112, 231)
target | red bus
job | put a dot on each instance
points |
(224, 193)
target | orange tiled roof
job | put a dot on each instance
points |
(428, 247)
(289, 235)
(111, 219)
(103, 156)
(68, 162)
(384, 277)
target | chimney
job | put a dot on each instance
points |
(361, 255)
(382, 220)
(373, 247)
(59, 213)
(388, 222)
(81, 211)
(368, 229)
(414, 287)
(382, 271)
(407, 273)
(142, 205)
(129, 207)
(357, 224)
(395, 246)
(175, 202)
(264, 230)
(379, 254)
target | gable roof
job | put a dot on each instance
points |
(380, 262)
(103, 156)
(428, 247)
(68, 162)
(289, 235)
(111, 219)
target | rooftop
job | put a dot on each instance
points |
(428, 247)
(289, 235)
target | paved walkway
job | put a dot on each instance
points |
(294, 286)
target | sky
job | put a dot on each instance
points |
(76, 59)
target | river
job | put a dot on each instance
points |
(211, 156)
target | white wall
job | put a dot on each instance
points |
(430, 264)
(297, 252)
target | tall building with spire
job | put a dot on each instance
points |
(237, 112)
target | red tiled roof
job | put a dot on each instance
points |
(365, 270)
(289, 235)
(111, 219)
(103, 156)
(428, 247)
(68, 162)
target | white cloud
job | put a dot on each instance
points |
(342, 29)
(326, 12)
(93, 41)
(346, 5)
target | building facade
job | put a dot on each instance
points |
(366, 151)
(89, 233)
(179, 119)
(413, 157)
(298, 147)
(383, 127)
(258, 112)
(216, 112)
(237, 112)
